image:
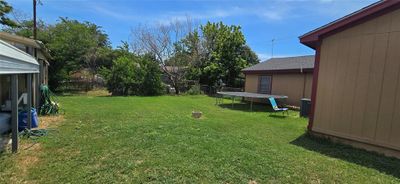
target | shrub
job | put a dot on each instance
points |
(194, 90)
(151, 83)
(133, 76)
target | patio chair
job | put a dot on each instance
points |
(275, 106)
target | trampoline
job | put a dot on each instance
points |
(220, 95)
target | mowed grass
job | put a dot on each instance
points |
(155, 140)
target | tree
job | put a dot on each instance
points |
(248, 55)
(5, 9)
(134, 75)
(223, 49)
(151, 84)
(163, 42)
(25, 28)
(74, 45)
(123, 77)
(192, 45)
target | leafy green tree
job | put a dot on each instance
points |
(5, 9)
(248, 55)
(217, 53)
(134, 75)
(223, 59)
(74, 45)
(25, 28)
(151, 84)
(192, 44)
(124, 76)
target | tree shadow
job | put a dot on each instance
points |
(387, 165)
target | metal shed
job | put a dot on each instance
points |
(15, 62)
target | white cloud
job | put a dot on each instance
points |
(113, 13)
(266, 56)
(271, 14)
(271, 11)
(326, 1)
(263, 56)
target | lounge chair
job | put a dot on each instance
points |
(275, 106)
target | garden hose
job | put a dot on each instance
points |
(36, 133)
(49, 100)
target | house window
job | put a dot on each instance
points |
(265, 84)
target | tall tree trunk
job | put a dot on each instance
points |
(176, 86)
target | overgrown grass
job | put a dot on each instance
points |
(155, 140)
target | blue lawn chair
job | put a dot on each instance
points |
(275, 106)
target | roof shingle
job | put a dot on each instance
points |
(281, 64)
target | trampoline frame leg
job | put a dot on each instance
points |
(251, 104)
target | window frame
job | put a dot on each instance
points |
(259, 84)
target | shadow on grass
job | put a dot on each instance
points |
(387, 165)
(246, 107)
(3, 145)
(257, 107)
(278, 115)
(80, 93)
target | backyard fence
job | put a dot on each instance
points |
(81, 85)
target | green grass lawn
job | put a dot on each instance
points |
(155, 140)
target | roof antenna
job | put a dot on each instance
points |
(272, 47)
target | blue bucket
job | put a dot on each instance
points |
(23, 119)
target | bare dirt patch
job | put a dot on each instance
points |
(98, 92)
(50, 121)
(28, 154)
(26, 159)
(252, 182)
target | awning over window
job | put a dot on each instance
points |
(16, 61)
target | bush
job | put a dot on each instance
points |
(151, 83)
(194, 90)
(133, 76)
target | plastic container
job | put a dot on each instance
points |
(305, 107)
(23, 119)
(5, 126)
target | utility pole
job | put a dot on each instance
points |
(37, 79)
(34, 20)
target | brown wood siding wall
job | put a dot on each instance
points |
(251, 84)
(358, 94)
(291, 85)
(308, 86)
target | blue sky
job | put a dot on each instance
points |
(261, 21)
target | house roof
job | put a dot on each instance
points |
(15, 61)
(286, 64)
(313, 38)
(174, 68)
(26, 41)
(19, 39)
